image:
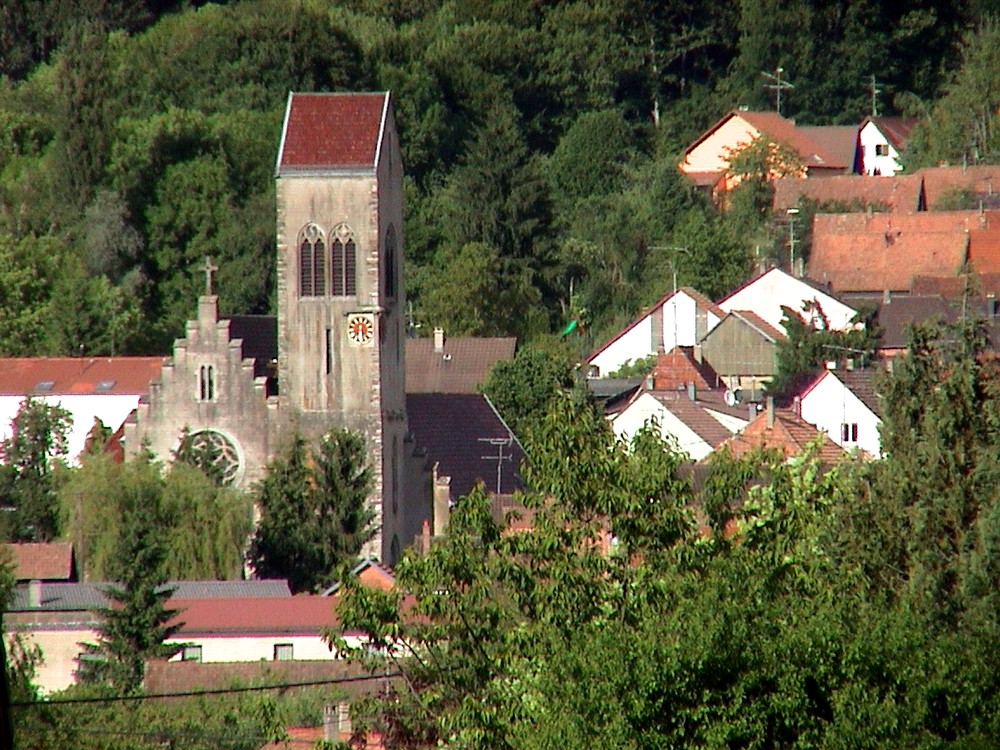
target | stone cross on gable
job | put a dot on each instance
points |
(209, 269)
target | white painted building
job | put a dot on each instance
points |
(880, 145)
(844, 405)
(767, 293)
(89, 388)
(680, 318)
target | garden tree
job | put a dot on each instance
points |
(810, 342)
(468, 294)
(941, 410)
(521, 388)
(203, 526)
(314, 513)
(135, 625)
(962, 126)
(754, 168)
(30, 476)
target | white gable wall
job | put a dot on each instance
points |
(766, 295)
(684, 324)
(871, 163)
(712, 154)
(111, 408)
(829, 405)
(634, 344)
(645, 409)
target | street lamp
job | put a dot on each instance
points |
(792, 213)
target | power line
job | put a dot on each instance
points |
(197, 693)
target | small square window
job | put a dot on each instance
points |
(191, 653)
(881, 149)
(283, 652)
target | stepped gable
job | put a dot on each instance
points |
(317, 136)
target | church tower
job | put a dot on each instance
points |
(340, 293)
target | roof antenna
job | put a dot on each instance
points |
(777, 84)
(873, 87)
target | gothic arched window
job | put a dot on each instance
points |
(389, 262)
(344, 265)
(312, 262)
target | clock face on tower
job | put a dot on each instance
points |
(360, 329)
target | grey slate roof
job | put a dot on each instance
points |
(453, 428)
(67, 597)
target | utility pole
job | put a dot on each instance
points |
(875, 90)
(792, 213)
(777, 84)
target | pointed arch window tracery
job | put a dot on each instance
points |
(344, 265)
(312, 262)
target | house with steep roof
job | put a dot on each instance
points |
(768, 293)
(978, 182)
(882, 143)
(59, 617)
(845, 405)
(107, 389)
(453, 365)
(743, 350)
(680, 318)
(695, 422)
(784, 431)
(823, 150)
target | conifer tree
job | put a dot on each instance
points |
(136, 623)
(314, 511)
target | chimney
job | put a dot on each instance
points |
(698, 356)
(770, 412)
(35, 594)
(439, 341)
(886, 297)
(337, 721)
(849, 364)
(692, 391)
(797, 406)
(425, 537)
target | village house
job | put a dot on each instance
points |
(844, 404)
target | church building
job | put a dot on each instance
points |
(338, 356)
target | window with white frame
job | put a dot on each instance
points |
(283, 652)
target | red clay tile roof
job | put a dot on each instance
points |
(324, 131)
(21, 376)
(983, 179)
(840, 141)
(43, 561)
(815, 153)
(980, 284)
(464, 365)
(861, 253)
(700, 299)
(296, 614)
(790, 435)
(678, 367)
(898, 193)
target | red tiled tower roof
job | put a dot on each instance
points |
(332, 131)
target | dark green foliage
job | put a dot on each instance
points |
(29, 478)
(314, 511)
(810, 343)
(522, 388)
(135, 626)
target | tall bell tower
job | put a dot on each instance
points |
(341, 344)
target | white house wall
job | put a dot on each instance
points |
(829, 405)
(60, 647)
(712, 154)
(645, 409)
(871, 137)
(632, 345)
(111, 409)
(767, 294)
(245, 648)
